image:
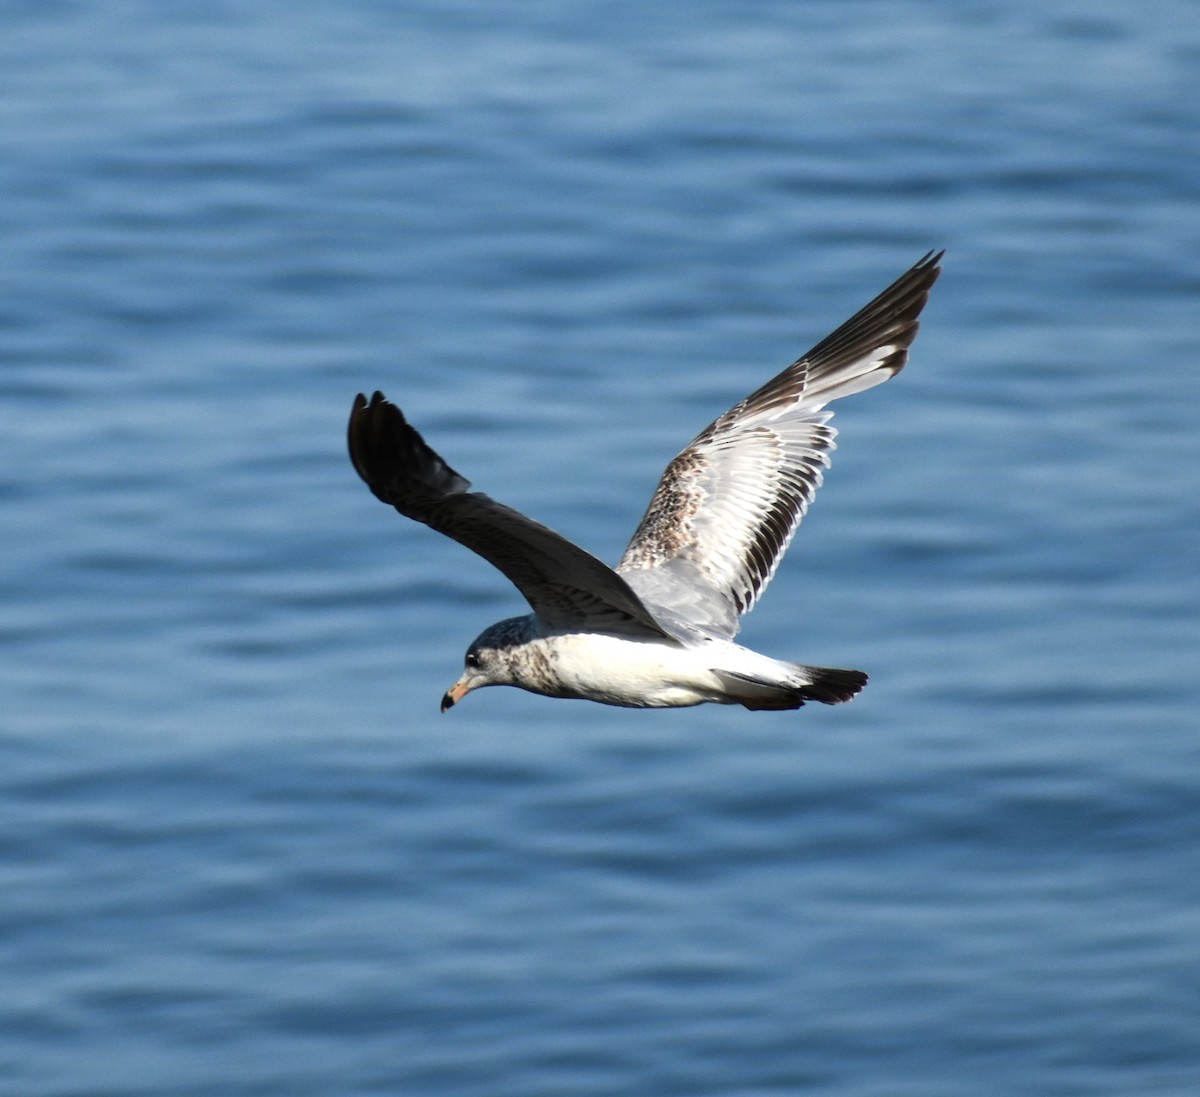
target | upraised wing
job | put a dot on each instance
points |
(727, 507)
(566, 586)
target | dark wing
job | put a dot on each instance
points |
(727, 507)
(566, 586)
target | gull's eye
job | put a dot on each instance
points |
(472, 661)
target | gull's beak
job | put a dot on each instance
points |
(456, 693)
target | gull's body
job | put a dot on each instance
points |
(657, 631)
(644, 673)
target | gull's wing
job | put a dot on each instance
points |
(566, 586)
(726, 507)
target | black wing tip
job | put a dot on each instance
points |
(912, 288)
(892, 315)
(365, 413)
(925, 270)
(361, 403)
(908, 293)
(911, 295)
(371, 422)
(391, 457)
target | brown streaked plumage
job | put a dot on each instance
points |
(750, 475)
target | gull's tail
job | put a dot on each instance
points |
(829, 685)
(801, 683)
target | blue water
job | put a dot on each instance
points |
(240, 851)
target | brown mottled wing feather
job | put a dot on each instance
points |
(566, 586)
(727, 507)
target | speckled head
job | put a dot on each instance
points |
(489, 659)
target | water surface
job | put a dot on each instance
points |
(242, 853)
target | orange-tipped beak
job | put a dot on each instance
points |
(455, 694)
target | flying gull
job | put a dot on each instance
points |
(658, 630)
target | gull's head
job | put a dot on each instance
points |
(490, 659)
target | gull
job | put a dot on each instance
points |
(657, 631)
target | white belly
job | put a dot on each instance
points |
(617, 671)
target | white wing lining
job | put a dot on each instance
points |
(728, 505)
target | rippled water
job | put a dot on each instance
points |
(242, 853)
